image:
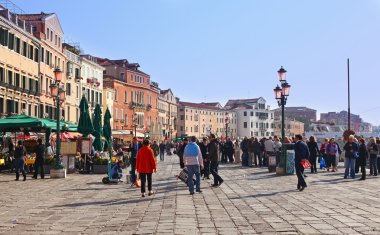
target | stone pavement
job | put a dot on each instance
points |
(251, 201)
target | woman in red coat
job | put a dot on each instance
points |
(146, 165)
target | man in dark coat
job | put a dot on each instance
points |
(214, 160)
(181, 151)
(40, 158)
(206, 161)
(301, 152)
(133, 149)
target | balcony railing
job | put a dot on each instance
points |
(133, 105)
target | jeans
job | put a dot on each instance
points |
(162, 154)
(144, 177)
(258, 159)
(20, 166)
(194, 169)
(373, 164)
(350, 167)
(214, 172)
(39, 166)
(250, 158)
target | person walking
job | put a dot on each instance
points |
(19, 155)
(156, 150)
(40, 158)
(146, 165)
(206, 161)
(314, 153)
(277, 148)
(301, 153)
(362, 160)
(213, 150)
(269, 149)
(192, 157)
(133, 149)
(373, 150)
(162, 150)
(351, 148)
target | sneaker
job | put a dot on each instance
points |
(191, 193)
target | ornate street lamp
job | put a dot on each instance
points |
(227, 121)
(58, 94)
(281, 94)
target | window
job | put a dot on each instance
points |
(68, 89)
(23, 82)
(251, 124)
(182, 117)
(2, 74)
(48, 33)
(77, 88)
(11, 41)
(36, 55)
(122, 76)
(47, 57)
(31, 84)
(56, 40)
(17, 79)
(51, 36)
(3, 37)
(245, 113)
(257, 125)
(10, 77)
(251, 114)
(31, 50)
(245, 124)
(42, 54)
(126, 96)
(17, 45)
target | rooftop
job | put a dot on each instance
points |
(199, 106)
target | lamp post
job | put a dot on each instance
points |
(227, 121)
(58, 94)
(135, 119)
(281, 94)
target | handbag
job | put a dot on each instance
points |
(322, 163)
(305, 163)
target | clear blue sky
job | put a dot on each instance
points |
(215, 50)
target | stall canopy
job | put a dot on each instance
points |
(20, 123)
(23, 122)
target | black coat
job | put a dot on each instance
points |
(313, 149)
(204, 151)
(363, 153)
(301, 151)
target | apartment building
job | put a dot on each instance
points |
(167, 114)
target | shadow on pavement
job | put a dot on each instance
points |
(266, 194)
(107, 203)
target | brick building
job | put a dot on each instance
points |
(302, 114)
(136, 97)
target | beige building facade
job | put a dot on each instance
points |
(108, 97)
(73, 84)
(292, 127)
(167, 114)
(197, 119)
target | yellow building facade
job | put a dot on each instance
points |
(19, 67)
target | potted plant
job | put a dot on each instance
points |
(100, 166)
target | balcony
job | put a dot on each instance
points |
(134, 105)
(148, 107)
(161, 110)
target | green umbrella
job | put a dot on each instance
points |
(85, 126)
(98, 128)
(107, 131)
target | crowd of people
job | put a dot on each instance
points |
(201, 157)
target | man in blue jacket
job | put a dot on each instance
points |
(301, 152)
